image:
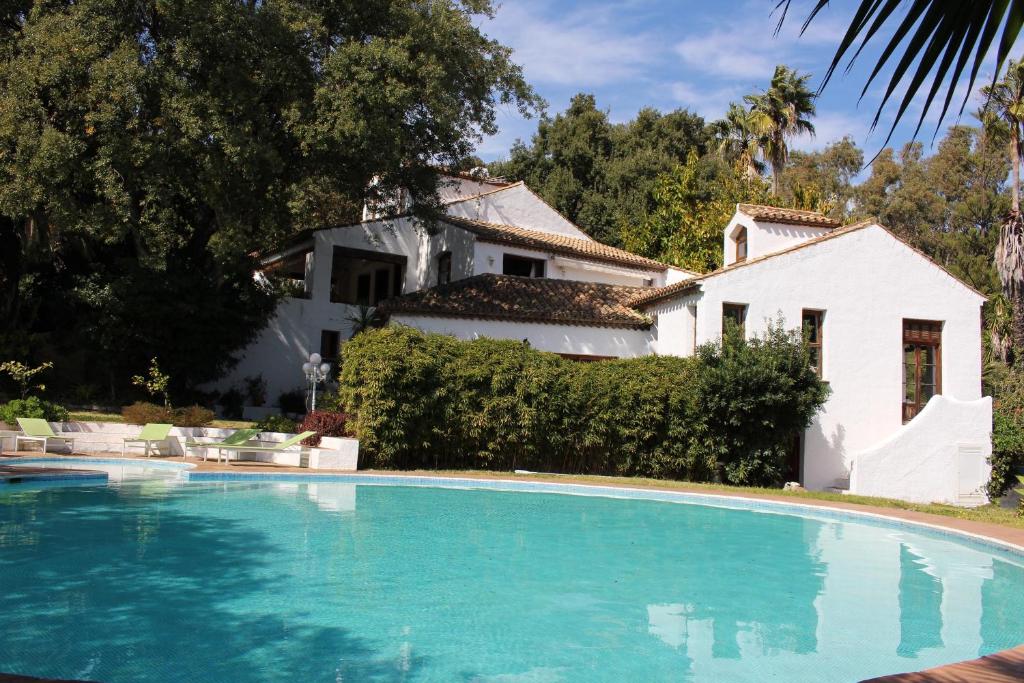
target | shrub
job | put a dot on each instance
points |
(1007, 432)
(33, 406)
(276, 423)
(256, 390)
(141, 413)
(292, 402)
(324, 423)
(431, 401)
(192, 416)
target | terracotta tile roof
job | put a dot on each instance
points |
(774, 214)
(542, 300)
(559, 244)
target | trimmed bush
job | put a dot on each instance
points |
(1007, 433)
(432, 401)
(141, 413)
(276, 423)
(33, 406)
(324, 423)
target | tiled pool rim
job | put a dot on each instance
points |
(819, 512)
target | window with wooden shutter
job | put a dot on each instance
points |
(922, 364)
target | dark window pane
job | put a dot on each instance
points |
(363, 289)
(521, 266)
(381, 284)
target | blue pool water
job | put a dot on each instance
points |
(165, 580)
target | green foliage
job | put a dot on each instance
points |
(24, 376)
(150, 148)
(33, 406)
(277, 423)
(431, 401)
(1007, 432)
(780, 113)
(599, 174)
(754, 394)
(141, 413)
(155, 382)
(692, 205)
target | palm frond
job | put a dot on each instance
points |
(939, 38)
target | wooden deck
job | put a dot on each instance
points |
(1003, 667)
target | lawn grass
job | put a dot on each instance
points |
(89, 416)
(991, 514)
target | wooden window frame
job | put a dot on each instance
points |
(538, 266)
(819, 346)
(444, 267)
(921, 334)
(330, 352)
(741, 319)
(741, 245)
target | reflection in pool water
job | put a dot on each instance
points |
(295, 581)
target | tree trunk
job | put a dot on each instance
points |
(1010, 264)
(1015, 162)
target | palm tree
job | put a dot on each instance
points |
(364, 318)
(779, 113)
(942, 38)
(737, 141)
(1005, 101)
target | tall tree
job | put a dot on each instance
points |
(828, 173)
(780, 113)
(601, 174)
(737, 140)
(1005, 100)
(147, 148)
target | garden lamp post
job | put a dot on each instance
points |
(316, 372)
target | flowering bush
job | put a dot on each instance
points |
(324, 423)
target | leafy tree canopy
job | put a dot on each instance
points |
(148, 148)
(601, 174)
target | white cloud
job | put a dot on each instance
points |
(711, 103)
(581, 49)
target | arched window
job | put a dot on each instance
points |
(741, 245)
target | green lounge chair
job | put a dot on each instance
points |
(152, 433)
(270, 448)
(38, 430)
(239, 437)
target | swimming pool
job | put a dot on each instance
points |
(331, 580)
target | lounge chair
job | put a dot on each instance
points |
(39, 431)
(152, 433)
(270, 448)
(239, 437)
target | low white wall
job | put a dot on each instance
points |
(939, 456)
(334, 453)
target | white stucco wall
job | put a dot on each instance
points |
(578, 339)
(488, 259)
(940, 456)
(764, 237)
(516, 205)
(867, 282)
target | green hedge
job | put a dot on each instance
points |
(33, 406)
(431, 401)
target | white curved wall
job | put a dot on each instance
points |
(939, 456)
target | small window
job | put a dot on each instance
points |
(741, 245)
(365, 278)
(444, 268)
(922, 364)
(330, 344)
(522, 266)
(737, 315)
(813, 336)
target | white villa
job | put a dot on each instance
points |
(896, 336)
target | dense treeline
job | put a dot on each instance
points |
(431, 401)
(148, 148)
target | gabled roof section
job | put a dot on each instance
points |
(498, 187)
(649, 296)
(560, 244)
(774, 214)
(522, 299)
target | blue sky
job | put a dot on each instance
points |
(692, 54)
